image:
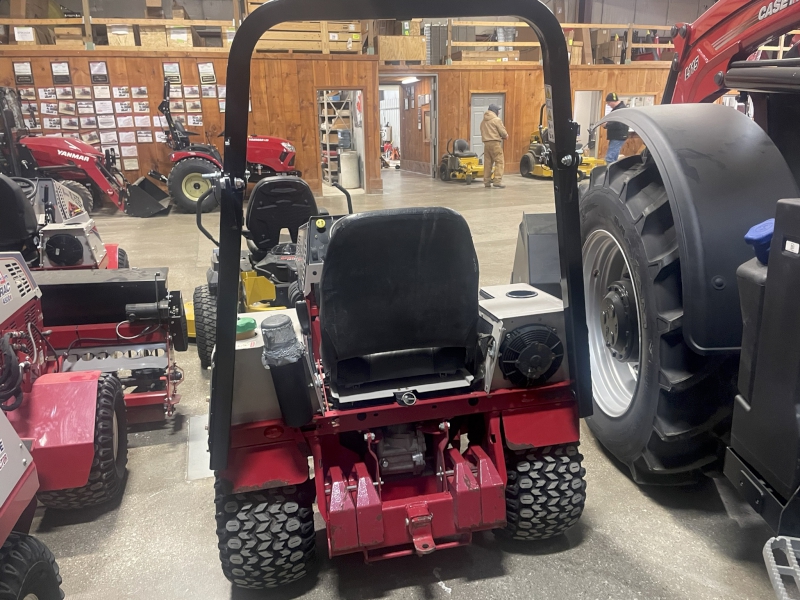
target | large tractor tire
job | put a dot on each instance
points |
(658, 406)
(107, 475)
(546, 491)
(86, 196)
(205, 323)
(122, 259)
(186, 184)
(29, 570)
(526, 164)
(266, 538)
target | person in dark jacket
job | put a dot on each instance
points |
(616, 133)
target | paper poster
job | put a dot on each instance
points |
(125, 121)
(106, 122)
(52, 123)
(49, 108)
(24, 34)
(141, 107)
(108, 137)
(27, 93)
(66, 108)
(221, 105)
(209, 91)
(104, 107)
(191, 91)
(32, 123)
(83, 92)
(99, 71)
(88, 122)
(69, 123)
(176, 106)
(222, 90)
(127, 137)
(85, 107)
(23, 74)
(176, 92)
(123, 108)
(141, 121)
(195, 120)
(113, 149)
(129, 151)
(179, 34)
(207, 74)
(144, 136)
(102, 92)
(161, 137)
(130, 164)
(27, 107)
(64, 93)
(47, 93)
(122, 92)
(194, 106)
(60, 72)
(139, 91)
(172, 72)
(91, 137)
(179, 119)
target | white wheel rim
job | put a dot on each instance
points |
(115, 435)
(613, 382)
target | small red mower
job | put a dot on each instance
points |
(431, 408)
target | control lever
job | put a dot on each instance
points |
(199, 209)
(346, 195)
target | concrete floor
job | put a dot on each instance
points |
(159, 541)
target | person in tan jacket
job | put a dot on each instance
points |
(493, 133)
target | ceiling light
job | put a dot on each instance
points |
(408, 80)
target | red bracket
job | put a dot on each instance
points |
(369, 509)
(463, 487)
(493, 490)
(342, 523)
(418, 519)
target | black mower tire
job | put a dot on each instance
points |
(469, 178)
(190, 167)
(122, 259)
(294, 293)
(546, 491)
(28, 570)
(671, 431)
(443, 174)
(205, 323)
(86, 195)
(526, 164)
(107, 474)
(266, 538)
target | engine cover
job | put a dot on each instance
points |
(527, 346)
(72, 244)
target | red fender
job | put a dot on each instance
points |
(59, 415)
(545, 425)
(176, 157)
(112, 257)
(263, 467)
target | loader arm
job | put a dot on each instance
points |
(730, 30)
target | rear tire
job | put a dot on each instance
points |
(122, 259)
(186, 184)
(82, 191)
(469, 179)
(546, 491)
(526, 165)
(205, 323)
(661, 414)
(266, 538)
(443, 174)
(28, 570)
(295, 294)
(107, 474)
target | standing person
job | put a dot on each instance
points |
(617, 133)
(493, 133)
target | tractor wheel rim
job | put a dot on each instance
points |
(613, 382)
(194, 186)
(31, 597)
(115, 435)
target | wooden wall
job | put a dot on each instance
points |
(283, 95)
(523, 86)
(415, 152)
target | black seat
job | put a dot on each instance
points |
(18, 224)
(398, 296)
(461, 150)
(282, 202)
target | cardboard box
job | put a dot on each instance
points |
(610, 51)
(576, 53)
(411, 27)
(600, 36)
(330, 138)
(559, 9)
(152, 3)
(401, 47)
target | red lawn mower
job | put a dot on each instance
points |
(87, 171)
(431, 408)
(266, 157)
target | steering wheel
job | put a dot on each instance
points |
(28, 188)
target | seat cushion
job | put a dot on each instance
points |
(277, 203)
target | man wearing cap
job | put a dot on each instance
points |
(616, 133)
(493, 133)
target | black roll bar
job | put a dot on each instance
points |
(233, 181)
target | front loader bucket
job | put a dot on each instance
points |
(146, 199)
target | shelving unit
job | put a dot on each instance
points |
(336, 130)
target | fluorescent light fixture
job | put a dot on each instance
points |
(408, 80)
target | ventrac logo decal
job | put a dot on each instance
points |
(5, 290)
(772, 8)
(692, 68)
(80, 157)
(3, 455)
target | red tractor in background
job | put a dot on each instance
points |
(266, 157)
(81, 167)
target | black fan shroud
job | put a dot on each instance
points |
(64, 250)
(530, 355)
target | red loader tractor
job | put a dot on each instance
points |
(29, 569)
(78, 165)
(266, 157)
(431, 408)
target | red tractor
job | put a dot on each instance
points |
(81, 167)
(430, 407)
(266, 157)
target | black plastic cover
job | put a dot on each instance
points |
(18, 222)
(278, 203)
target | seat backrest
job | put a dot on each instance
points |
(18, 223)
(282, 202)
(398, 279)
(461, 146)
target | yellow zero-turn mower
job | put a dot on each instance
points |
(460, 163)
(536, 161)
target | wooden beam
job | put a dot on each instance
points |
(165, 22)
(25, 22)
(18, 8)
(87, 23)
(323, 30)
(237, 13)
(490, 44)
(449, 41)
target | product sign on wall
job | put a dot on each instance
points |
(60, 72)
(207, 74)
(23, 74)
(172, 72)
(99, 71)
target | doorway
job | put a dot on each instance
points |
(479, 104)
(341, 126)
(588, 111)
